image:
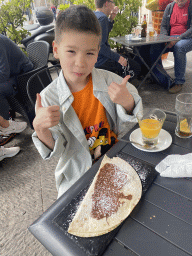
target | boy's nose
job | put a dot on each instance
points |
(80, 61)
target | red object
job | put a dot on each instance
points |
(179, 19)
(163, 4)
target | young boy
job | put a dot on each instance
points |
(81, 113)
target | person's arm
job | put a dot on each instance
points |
(105, 49)
(164, 29)
(188, 33)
(4, 64)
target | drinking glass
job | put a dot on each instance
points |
(183, 108)
(150, 122)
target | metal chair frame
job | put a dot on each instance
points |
(38, 53)
(39, 81)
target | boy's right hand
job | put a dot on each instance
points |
(46, 117)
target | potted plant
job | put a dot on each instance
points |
(157, 7)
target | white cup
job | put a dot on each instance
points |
(128, 37)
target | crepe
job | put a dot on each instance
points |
(115, 191)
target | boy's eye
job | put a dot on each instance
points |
(90, 53)
(71, 51)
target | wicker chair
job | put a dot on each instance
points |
(40, 80)
(38, 53)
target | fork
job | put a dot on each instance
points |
(146, 146)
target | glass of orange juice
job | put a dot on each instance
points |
(150, 122)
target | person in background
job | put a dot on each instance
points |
(105, 12)
(177, 21)
(54, 10)
(80, 115)
(12, 63)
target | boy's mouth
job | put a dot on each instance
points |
(78, 74)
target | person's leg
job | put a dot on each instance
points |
(145, 53)
(163, 77)
(3, 122)
(180, 49)
(6, 90)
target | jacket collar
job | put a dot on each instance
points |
(64, 92)
(99, 81)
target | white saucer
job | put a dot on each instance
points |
(136, 39)
(165, 140)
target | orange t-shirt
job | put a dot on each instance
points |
(92, 116)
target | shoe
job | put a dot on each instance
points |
(14, 127)
(8, 152)
(176, 88)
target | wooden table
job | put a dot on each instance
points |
(133, 47)
(161, 223)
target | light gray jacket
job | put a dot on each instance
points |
(70, 141)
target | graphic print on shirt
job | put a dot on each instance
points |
(92, 115)
(98, 140)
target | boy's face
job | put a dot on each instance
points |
(77, 52)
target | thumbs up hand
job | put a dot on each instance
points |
(46, 117)
(119, 94)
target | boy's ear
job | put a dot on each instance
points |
(55, 50)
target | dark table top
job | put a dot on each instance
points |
(144, 40)
(161, 223)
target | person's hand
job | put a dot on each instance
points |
(171, 44)
(114, 13)
(122, 61)
(46, 117)
(119, 94)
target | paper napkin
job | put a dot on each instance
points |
(176, 166)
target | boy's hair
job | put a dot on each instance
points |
(100, 3)
(79, 18)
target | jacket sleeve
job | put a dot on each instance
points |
(127, 121)
(165, 20)
(105, 49)
(188, 33)
(44, 151)
(4, 67)
(122, 113)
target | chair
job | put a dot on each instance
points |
(40, 80)
(38, 53)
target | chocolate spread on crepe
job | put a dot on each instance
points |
(106, 201)
(115, 191)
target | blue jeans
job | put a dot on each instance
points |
(6, 90)
(180, 49)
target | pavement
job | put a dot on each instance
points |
(27, 183)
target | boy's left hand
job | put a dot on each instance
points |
(119, 94)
